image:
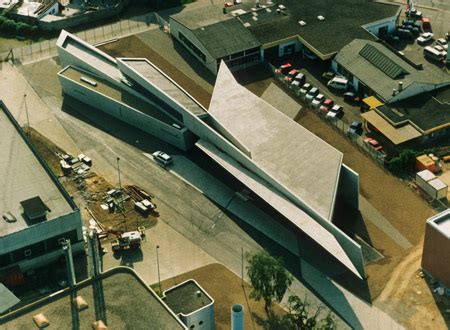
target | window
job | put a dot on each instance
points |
(27, 253)
(191, 46)
(200, 323)
(61, 241)
(192, 326)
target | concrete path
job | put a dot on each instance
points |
(176, 254)
(382, 223)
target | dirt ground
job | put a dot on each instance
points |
(89, 193)
(133, 47)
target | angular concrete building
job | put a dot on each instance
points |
(293, 171)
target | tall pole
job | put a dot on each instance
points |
(121, 194)
(28, 118)
(157, 263)
(242, 266)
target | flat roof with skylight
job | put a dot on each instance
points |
(26, 186)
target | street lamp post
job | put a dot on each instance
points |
(157, 263)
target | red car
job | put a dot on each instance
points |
(291, 75)
(373, 144)
(285, 68)
(326, 105)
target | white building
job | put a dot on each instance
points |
(193, 305)
(292, 170)
(37, 212)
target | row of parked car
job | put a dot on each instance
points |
(311, 96)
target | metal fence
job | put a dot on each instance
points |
(338, 124)
(47, 48)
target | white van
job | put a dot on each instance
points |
(339, 83)
(433, 53)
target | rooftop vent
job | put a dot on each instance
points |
(198, 293)
(302, 23)
(282, 7)
(35, 209)
(320, 18)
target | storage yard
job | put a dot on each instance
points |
(96, 197)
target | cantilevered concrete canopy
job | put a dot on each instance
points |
(297, 159)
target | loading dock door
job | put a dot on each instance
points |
(271, 53)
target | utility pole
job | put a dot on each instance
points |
(157, 263)
(28, 117)
(121, 194)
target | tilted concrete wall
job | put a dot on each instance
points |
(181, 138)
(348, 189)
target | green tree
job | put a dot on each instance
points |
(268, 276)
(403, 164)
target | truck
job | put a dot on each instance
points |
(130, 240)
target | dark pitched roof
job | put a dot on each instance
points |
(226, 38)
(343, 22)
(426, 111)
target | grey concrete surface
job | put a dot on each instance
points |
(276, 97)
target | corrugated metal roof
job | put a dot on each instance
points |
(382, 62)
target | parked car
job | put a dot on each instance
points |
(336, 112)
(339, 83)
(411, 28)
(318, 100)
(373, 144)
(312, 94)
(9, 217)
(228, 4)
(424, 38)
(441, 50)
(284, 68)
(404, 34)
(162, 158)
(426, 24)
(300, 78)
(392, 39)
(290, 76)
(351, 97)
(414, 13)
(447, 36)
(355, 128)
(443, 43)
(328, 75)
(326, 105)
(304, 90)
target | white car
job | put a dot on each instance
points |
(318, 100)
(443, 43)
(441, 50)
(162, 158)
(336, 112)
(425, 37)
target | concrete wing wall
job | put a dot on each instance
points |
(180, 138)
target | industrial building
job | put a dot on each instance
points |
(124, 301)
(253, 31)
(420, 119)
(192, 304)
(292, 170)
(436, 248)
(37, 212)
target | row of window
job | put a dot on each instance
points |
(193, 47)
(255, 57)
(37, 249)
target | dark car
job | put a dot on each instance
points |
(404, 34)
(301, 78)
(355, 128)
(328, 75)
(351, 97)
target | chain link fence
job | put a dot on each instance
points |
(47, 48)
(338, 124)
